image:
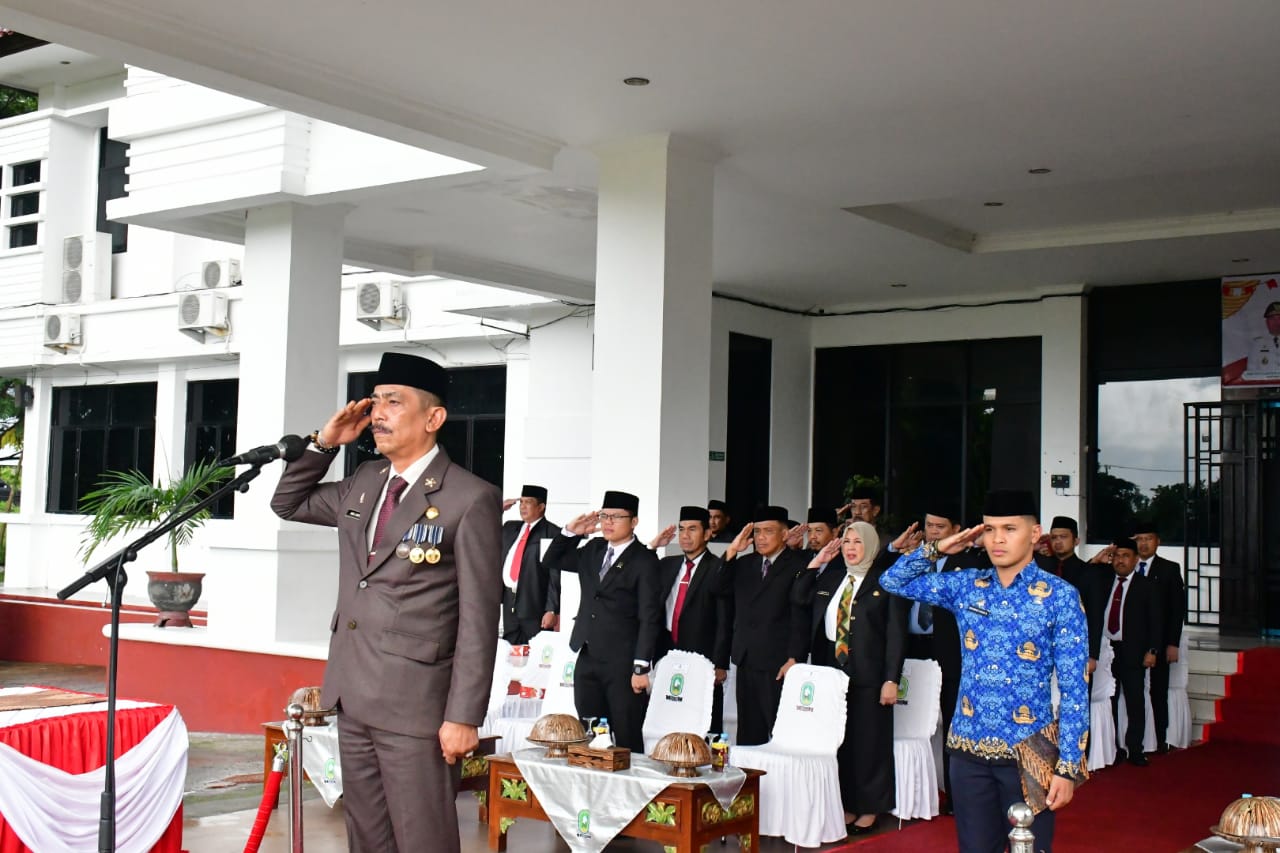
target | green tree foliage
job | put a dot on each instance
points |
(15, 102)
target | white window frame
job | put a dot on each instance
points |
(7, 191)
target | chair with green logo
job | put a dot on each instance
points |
(800, 796)
(680, 692)
(915, 720)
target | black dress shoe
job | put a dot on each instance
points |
(854, 829)
(1139, 760)
(1162, 749)
(1121, 755)
(946, 809)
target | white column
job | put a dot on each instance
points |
(1062, 408)
(279, 582)
(171, 421)
(651, 374)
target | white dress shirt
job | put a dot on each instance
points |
(833, 609)
(675, 588)
(410, 475)
(1106, 617)
(507, 577)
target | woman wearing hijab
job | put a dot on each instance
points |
(861, 629)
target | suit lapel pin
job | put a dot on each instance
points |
(362, 494)
(430, 483)
(432, 513)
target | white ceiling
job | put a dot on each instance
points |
(1158, 118)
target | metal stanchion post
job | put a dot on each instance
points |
(293, 731)
(1021, 840)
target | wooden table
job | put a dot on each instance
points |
(475, 770)
(684, 817)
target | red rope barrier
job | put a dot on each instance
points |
(270, 795)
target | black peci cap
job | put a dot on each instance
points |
(772, 513)
(822, 515)
(621, 500)
(1065, 522)
(399, 368)
(538, 493)
(1006, 502)
(695, 513)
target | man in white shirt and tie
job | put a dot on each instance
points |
(1131, 623)
(698, 616)
(529, 602)
(1166, 577)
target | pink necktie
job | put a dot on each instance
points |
(389, 504)
(684, 590)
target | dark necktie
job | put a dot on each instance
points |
(1117, 602)
(389, 504)
(680, 594)
(1062, 564)
(1142, 567)
(765, 565)
(608, 562)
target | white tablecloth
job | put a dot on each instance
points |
(589, 807)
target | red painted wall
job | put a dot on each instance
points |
(216, 690)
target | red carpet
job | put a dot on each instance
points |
(1163, 808)
(1247, 714)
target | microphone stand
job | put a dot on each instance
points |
(112, 571)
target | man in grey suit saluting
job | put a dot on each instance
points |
(413, 637)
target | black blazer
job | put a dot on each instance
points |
(877, 633)
(533, 585)
(620, 616)
(1142, 620)
(768, 627)
(707, 616)
(1093, 582)
(1167, 576)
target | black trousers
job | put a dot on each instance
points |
(758, 693)
(516, 630)
(984, 792)
(602, 688)
(1130, 683)
(950, 696)
(1160, 696)
(717, 709)
(865, 758)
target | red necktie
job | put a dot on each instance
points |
(389, 504)
(518, 557)
(680, 594)
(1061, 565)
(1117, 601)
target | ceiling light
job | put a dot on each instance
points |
(898, 284)
(993, 204)
(1039, 171)
(1239, 260)
(636, 81)
(64, 62)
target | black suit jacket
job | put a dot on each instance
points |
(1167, 577)
(533, 585)
(1093, 582)
(877, 633)
(707, 615)
(1142, 620)
(621, 615)
(768, 626)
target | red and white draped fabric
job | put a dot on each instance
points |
(51, 775)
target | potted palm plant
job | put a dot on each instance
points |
(127, 500)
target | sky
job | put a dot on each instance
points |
(1140, 427)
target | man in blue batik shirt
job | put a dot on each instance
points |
(1018, 624)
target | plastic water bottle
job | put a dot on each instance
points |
(602, 728)
(720, 752)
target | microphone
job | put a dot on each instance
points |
(288, 448)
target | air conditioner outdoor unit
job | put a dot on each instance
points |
(224, 273)
(201, 313)
(379, 305)
(62, 331)
(86, 269)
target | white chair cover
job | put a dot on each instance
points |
(549, 654)
(680, 695)
(915, 719)
(800, 795)
(1179, 733)
(501, 679)
(730, 712)
(1102, 726)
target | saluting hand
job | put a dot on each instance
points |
(585, 524)
(347, 423)
(909, 539)
(826, 555)
(795, 536)
(508, 503)
(956, 543)
(664, 537)
(739, 543)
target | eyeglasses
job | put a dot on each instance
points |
(612, 516)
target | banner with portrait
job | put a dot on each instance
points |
(1251, 331)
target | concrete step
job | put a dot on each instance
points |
(1206, 684)
(1207, 662)
(1203, 708)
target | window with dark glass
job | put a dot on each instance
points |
(24, 204)
(27, 234)
(212, 406)
(475, 431)
(113, 160)
(26, 173)
(96, 429)
(933, 421)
